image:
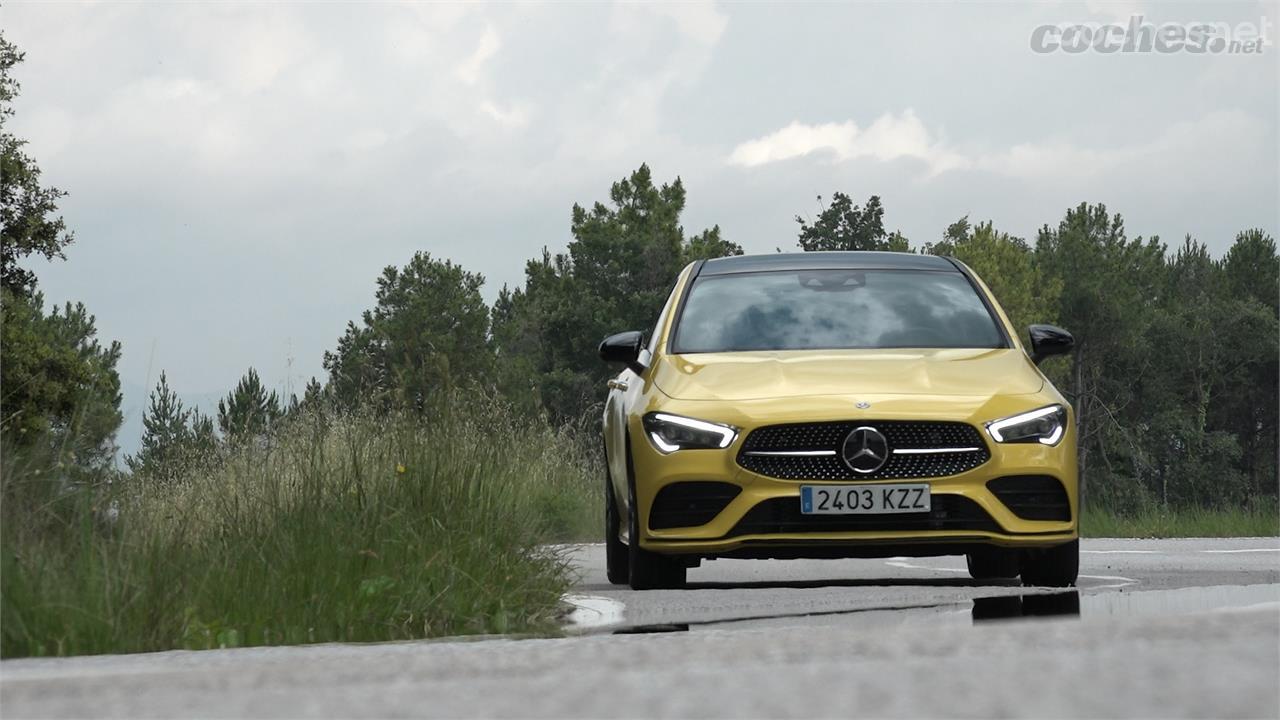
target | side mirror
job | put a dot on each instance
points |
(625, 347)
(1049, 340)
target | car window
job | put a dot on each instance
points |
(834, 308)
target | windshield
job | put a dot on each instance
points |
(834, 309)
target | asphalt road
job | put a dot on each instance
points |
(1175, 628)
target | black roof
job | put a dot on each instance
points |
(850, 260)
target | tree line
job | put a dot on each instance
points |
(1174, 377)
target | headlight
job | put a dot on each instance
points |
(670, 433)
(1045, 426)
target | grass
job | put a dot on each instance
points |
(1260, 521)
(347, 529)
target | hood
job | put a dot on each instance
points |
(801, 373)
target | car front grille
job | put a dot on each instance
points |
(689, 504)
(782, 515)
(1032, 497)
(811, 451)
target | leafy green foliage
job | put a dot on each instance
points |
(708, 245)
(1106, 279)
(27, 222)
(61, 391)
(1245, 404)
(616, 275)
(1212, 346)
(426, 334)
(1007, 265)
(1173, 376)
(845, 226)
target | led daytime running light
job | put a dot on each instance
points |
(996, 428)
(726, 433)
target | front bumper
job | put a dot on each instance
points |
(733, 530)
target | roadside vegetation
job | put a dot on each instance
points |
(1261, 520)
(406, 493)
(337, 528)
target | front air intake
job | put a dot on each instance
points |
(690, 504)
(1032, 497)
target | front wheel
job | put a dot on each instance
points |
(616, 564)
(1057, 566)
(992, 563)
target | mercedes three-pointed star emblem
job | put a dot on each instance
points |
(864, 450)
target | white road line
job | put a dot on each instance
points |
(909, 566)
(1242, 551)
(593, 611)
(1123, 552)
(1123, 581)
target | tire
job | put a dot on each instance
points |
(1057, 566)
(649, 570)
(617, 567)
(992, 564)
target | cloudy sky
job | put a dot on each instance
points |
(239, 173)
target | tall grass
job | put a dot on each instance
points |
(1261, 520)
(355, 528)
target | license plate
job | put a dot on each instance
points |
(863, 499)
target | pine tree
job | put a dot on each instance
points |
(313, 392)
(249, 410)
(202, 441)
(165, 435)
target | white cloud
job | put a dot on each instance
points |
(468, 71)
(889, 138)
(894, 137)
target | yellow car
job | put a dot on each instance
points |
(837, 404)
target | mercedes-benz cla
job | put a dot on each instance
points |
(837, 404)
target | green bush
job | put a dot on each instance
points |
(347, 528)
